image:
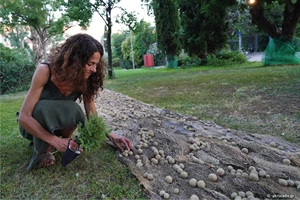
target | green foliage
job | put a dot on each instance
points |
(80, 11)
(143, 36)
(188, 62)
(129, 19)
(117, 40)
(16, 69)
(203, 26)
(116, 62)
(16, 36)
(276, 18)
(226, 57)
(297, 34)
(36, 14)
(92, 134)
(158, 55)
(240, 20)
(126, 64)
(167, 26)
(273, 11)
(127, 54)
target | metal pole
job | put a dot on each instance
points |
(132, 52)
(240, 43)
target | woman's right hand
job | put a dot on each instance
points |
(61, 144)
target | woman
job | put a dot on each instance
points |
(49, 114)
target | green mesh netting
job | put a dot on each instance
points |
(281, 53)
(172, 62)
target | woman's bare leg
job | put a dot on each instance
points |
(49, 159)
(68, 131)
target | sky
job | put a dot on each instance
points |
(96, 28)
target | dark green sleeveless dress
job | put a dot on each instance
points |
(54, 111)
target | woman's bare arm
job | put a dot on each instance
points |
(26, 120)
(89, 106)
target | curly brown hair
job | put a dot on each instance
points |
(68, 62)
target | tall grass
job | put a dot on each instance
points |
(248, 97)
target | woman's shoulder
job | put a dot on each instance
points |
(43, 68)
(42, 73)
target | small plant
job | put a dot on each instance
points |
(93, 133)
(189, 62)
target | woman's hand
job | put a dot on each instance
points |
(120, 142)
(61, 144)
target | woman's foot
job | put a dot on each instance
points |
(47, 159)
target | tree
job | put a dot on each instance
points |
(291, 14)
(117, 40)
(167, 28)
(16, 36)
(126, 51)
(143, 36)
(283, 46)
(203, 26)
(239, 18)
(39, 16)
(82, 11)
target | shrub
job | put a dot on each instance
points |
(188, 62)
(226, 57)
(116, 62)
(159, 59)
(126, 64)
(16, 69)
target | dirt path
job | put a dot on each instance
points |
(189, 150)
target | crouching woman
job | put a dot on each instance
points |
(50, 114)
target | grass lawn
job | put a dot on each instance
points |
(249, 97)
(92, 175)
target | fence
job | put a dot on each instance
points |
(249, 43)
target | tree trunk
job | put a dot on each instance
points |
(108, 40)
(109, 53)
(258, 18)
(36, 46)
(43, 46)
(291, 18)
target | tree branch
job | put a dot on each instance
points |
(258, 18)
(96, 9)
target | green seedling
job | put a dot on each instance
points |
(92, 134)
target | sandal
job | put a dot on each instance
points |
(46, 157)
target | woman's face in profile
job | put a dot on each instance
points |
(91, 65)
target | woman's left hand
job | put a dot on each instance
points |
(120, 141)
